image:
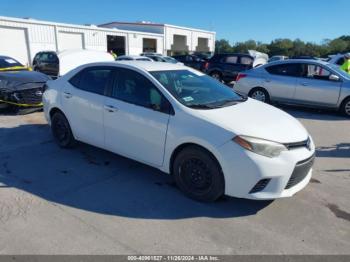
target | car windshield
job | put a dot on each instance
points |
(197, 90)
(7, 62)
(339, 71)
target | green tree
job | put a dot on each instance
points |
(222, 46)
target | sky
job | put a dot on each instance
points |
(234, 20)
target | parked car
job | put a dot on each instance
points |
(56, 64)
(20, 89)
(302, 82)
(133, 58)
(152, 113)
(225, 67)
(160, 58)
(277, 58)
(191, 61)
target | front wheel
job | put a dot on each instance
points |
(61, 131)
(260, 94)
(198, 174)
(345, 107)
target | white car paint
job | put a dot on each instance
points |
(151, 137)
(259, 58)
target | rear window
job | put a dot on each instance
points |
(92, 80)
(245, 60)
(231, 59)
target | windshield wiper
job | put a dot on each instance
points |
(201, 106)
(227, 102)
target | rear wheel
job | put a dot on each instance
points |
(216, 75)
(198, 174)
(260, 94)
(61, 131)
(345, 107)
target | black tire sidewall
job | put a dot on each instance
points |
(70, 141)
(342, 108)
(218, 185)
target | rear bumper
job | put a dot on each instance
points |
(279, 177)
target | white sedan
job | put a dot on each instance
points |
(212, 140)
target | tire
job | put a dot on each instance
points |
(61, 131)
(216, 75)
(260, 94)
(198, 174)
(345, 107)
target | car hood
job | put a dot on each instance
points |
(11, 80)
(256, 119)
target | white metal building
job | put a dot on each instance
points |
(23, 38)
(176, 38)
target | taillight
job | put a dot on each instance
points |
(206, 65)
(240, 76)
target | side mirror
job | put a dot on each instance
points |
(333, 77)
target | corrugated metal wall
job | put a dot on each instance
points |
(44, 36)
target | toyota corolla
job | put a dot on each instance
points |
(174, 118)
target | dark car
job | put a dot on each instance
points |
(193, 61)
(161, 58)
(226, 67)
(46, 62)
(304, 57)
(20, 88)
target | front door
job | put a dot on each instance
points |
(135, 119)
(315, 86)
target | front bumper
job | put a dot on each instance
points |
(26, 95)
(279, 177)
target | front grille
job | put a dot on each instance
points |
(291, 146)
(301, 170)
(29, 96)
(260, 185)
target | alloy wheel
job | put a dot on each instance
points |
(259, 95)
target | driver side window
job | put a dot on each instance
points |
(315, 72)
(134, 88)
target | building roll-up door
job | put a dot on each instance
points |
(67, 40)
(14, 43)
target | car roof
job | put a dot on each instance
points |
(151, 66)
(293, 61)
(143, 65)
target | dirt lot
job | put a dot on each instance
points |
(89, 201)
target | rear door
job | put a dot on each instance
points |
(230, 66)
(136, 117)
(281, 81)
(315, 86)
(83, 100)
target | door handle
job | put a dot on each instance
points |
(67, 95)
(267, 80)
(304, 84)
(110, 108)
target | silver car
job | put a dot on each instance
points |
(300, 82)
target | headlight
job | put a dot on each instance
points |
(260, 146)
